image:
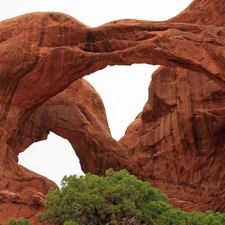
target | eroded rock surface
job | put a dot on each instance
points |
(178, 139)
(78, 115)
(176, 143)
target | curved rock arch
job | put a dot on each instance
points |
(78, 115)
(36, 64)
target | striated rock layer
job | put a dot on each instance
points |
(176, 143)
(178, 140)
(78, 115)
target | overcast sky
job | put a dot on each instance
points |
(124, 89)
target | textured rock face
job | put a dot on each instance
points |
(78, 115)
(176, 143)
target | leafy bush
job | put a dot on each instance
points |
(19, 222)
(117, 198)
(93, 199)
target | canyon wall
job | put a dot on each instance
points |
(177, 141)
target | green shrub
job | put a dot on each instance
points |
(116, 198)
(19, 222)
(93, 199)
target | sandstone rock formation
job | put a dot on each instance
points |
(176, 143)
(178, 139)
(78, 115)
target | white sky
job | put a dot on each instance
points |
(124, 89)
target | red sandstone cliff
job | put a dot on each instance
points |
(176, 143)
(178, 139)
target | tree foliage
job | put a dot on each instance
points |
(92, 199)
(113, 199)
(19, 222)
(116, 198)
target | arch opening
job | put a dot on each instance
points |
(53, 158)
(124, 91)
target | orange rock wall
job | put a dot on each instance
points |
(179, 139)
(176, 143)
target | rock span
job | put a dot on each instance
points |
(176, 143)
(78, 115)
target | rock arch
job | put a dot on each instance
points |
(78, 115)
(36, 64)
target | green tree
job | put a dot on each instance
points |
(70, 223)
(19, 222)
(153, 211)
(210, 218)
(175, 217)
(113, 199)
(195, 218)
(92, 199)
